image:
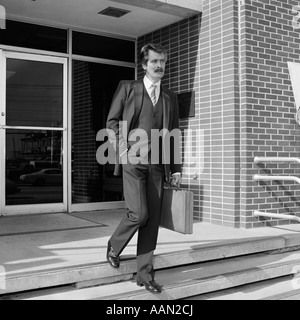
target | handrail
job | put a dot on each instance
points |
(258, 177)
(276, 159)
(276, 215)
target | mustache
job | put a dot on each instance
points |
(159, 70)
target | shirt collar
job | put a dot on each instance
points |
(148, 83)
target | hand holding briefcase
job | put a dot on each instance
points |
(177, 210)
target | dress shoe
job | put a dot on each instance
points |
(112, 258)
(151, 286)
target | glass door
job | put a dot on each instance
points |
(33, 133)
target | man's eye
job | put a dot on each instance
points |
(156, 61)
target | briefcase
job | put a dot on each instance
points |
(177, 210)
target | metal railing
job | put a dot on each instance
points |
(276, 159)
(275, 215)
(259, 177)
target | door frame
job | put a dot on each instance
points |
(32, 208)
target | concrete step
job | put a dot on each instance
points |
(88, 275)
(291, 296)
(282, 288)
(186, 281)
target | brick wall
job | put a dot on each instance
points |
(267, 109)
(85, 171)
(182, 75)
(219, 112)
(234, 56)
(203, 58)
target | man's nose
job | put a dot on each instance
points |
(160, 65)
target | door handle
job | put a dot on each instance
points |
(2, 114)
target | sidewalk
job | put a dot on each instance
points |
(38, 243)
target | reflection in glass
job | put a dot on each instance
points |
(103, 47)
(93, 88)
(35, 91)
(33, 167)
(28, 35)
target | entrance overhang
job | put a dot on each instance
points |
(143, 16)
(180, 8)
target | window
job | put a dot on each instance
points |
(103, 47)
(27, 35)
(92, 96)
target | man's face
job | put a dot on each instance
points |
(155, 68)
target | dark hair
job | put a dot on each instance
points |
(144, 55)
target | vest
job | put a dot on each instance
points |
(150, 118)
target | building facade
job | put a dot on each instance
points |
(228, 62)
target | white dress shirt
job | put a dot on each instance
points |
(148, 83)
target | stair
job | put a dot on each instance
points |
(89, 275)
(207, 268)
(200, 280)
(273, 289)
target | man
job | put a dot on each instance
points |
(144, 105)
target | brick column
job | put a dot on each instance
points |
(204, 58)
(219, 112)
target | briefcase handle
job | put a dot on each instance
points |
(169, 186)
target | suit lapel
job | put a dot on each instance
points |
(166, 108)
(138, 101)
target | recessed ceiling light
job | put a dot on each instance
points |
(114, 12)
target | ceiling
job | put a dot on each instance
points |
(83, 14)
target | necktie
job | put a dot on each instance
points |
(153, 94)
